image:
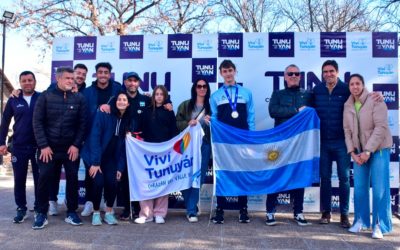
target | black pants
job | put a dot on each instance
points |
(20, 159)
(124, 191)
(221, 201)
(47, 173)
(107, 180)
(296, 195)
(55, 183)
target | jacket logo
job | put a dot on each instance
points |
(20, 106)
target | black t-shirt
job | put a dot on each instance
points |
(103, 95)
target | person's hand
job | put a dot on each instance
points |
(15, 93)
(119, 175)
(93, 171)
(207, 119)
(192, 123)
(147, 94)
(73, 153)
(75, 88)
(168, 106)
(364, 157)
(46, 154)
(301, 108)
(3, 150)
(356, 158)
(105, 108)
(377, 96)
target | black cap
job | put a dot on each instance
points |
(131, 74)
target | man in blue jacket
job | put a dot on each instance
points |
(329, 99)
(232, 104)
(24, 143)
(100, 92)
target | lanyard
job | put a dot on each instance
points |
(232, 104)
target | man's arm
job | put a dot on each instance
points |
(276, 110)
(82, 121)
(5, 122)
(251, 113)
(38, 121)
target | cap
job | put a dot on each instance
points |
(131, 74)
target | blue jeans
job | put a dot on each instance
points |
(192, 195)
(375, 171)
(334, 150)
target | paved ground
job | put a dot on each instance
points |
(177, 233)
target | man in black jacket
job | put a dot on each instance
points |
(283, 105)
(59, 124)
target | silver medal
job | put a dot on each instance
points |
(235, 114)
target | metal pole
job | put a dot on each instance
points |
(2, 68)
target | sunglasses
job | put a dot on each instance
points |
(201, 86)
(293, 73)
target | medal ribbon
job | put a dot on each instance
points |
(232, 104)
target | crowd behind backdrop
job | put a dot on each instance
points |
(176, 60)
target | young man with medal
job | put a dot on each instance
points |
(232, 104)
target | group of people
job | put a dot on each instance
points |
(70, 121)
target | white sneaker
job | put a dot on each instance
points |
(142, 220)
(377, 233)
(357, 227)
(192, 218)
(160, 220)
(53, 208)
(88, 209)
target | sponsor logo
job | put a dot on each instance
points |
(390, 94)
(308, 44)
(309, 199)
(155, 46)
(131, 47)
(387, 69)
(205, 45)
(108, 48)
(85, 48)
(230, 45)
(256, 44)
(333, 44)
(204, 68)
(181, 145)
(384, 44)
(335, 201)
(56, 64)
(62, 49)
(283, 198)
(180, 46)
(394, 150)
(360, 44)
(281, 44)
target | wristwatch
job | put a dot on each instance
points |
(367, 153)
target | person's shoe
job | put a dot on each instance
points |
(218, 217)
(142, 220)
(87, 209)
(301, 221)
(96, 219)
(357, 227)
(377, 233)
(110, 219)
(270, 219)
(192, 218)
(21, 216)
(73, 219)
(325, 218)
(125, 216)
(344, 221)
(53, 208)
(159, 220)
(40, 221)
(244, 216)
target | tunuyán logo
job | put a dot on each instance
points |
(181, 145)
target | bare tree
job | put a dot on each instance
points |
(251, 15)
(328, 15)
(390, 11)
(179, 16)
(46, 19)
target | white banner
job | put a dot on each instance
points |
(158, 169)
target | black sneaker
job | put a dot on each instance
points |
(125, 216)
(21, 216)
(40, 221)
(244, 216)
(301, 221)
(219, 216)
(270, 220)
(73, 219)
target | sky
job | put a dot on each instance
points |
(20, 57)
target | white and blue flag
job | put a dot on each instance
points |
(269, 161)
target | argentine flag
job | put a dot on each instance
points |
(269, 161)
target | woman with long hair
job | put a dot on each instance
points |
(159, 125)
(191, 112)
(102, 153)
(369, 141)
